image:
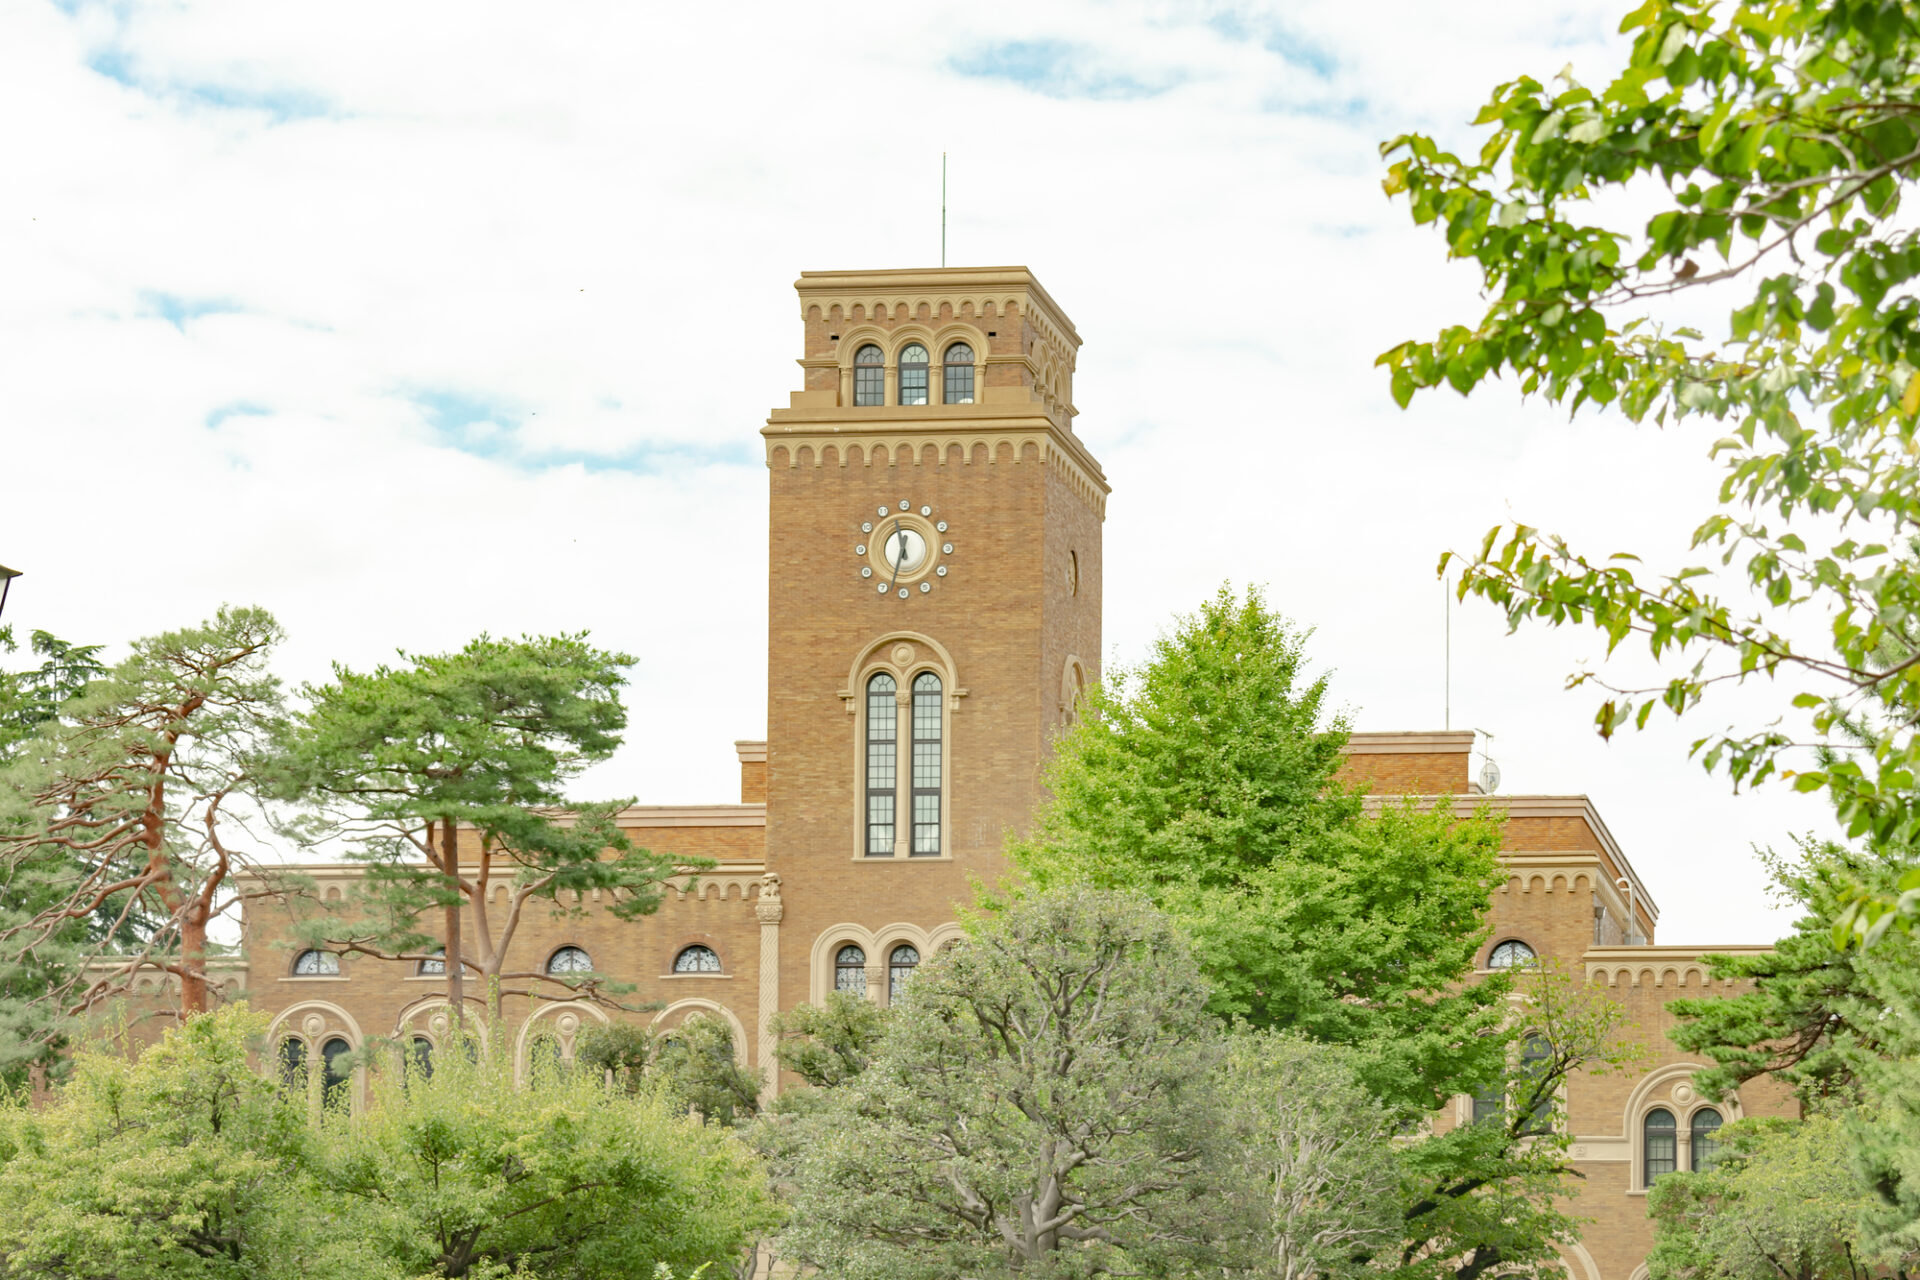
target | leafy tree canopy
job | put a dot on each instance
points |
(1770, 145)
(1207, 779)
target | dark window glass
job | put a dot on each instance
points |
(1488, 1105)
(544, 1055)
(334, 1071)
(850, 970)
(435, 965)
(313, 964)
(420, 1057)
(913, 374)
(1510, 954)
(869, 376)
(882, 763)
(900, 966)
(697, 960)
(1536, 1056)
(1706, 1139)
(926, 765)
(1660, 1143)
(293, 1063)
(958, 369)
(570, 960)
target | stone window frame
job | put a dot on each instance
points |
(904, 655)
(1668, 1088)
(314, 1023)
(878, 944)
(293, 973)
(893, 339)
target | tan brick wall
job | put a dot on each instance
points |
(1408, 773)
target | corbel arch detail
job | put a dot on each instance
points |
(698, 1004)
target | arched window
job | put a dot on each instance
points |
(926, 765)
(696, 960)
(334, 1071)
(1489, 1105)
(882, 764)
(569, 960)
(1706, 1140)
(1511, 954)
(1660, 1143)
(913, 374)
(1536, 1057)
(544, 1054)
(420, 1057)
(850, 970)
(958, 369)
(293, 1063)
(900, 966)
(869, 376)
(316, 964)
(436, 963)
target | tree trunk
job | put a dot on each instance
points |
(193, 959)
(456, 969)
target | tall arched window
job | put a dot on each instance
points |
(1706, 1140)
(1511, 954)
(1658, 1131)
(926, 765)
(293, 1063)
(697, 960)
(913, 374)
(544, 1054)
(869, 376)
(316, 964)
(882, 764)
(850, 970)
(1536, 1056)
(569, 960)
(900, 966)
(420, 1057)
(957, 367)
(334, 1071)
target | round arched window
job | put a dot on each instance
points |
(420, 1057)
(850, 970)
(697, 960)
(900, 966)
(869, 376)
(913, 374)
(1658, 1140)
(957, 367)
(316, 964)
(293, 1062)
(1511, 954)
(570, 960)
(334, 1055)
(1706, 1139)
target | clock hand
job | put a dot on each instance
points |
(900, 558)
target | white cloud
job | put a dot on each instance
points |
(412, 321)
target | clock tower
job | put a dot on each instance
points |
(933, 605)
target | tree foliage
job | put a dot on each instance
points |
(1773, 142)
(399, 759)
(33, 698)
(117, 821)
(1206, 778)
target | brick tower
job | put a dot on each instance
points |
(933, 605)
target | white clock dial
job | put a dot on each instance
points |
(904, 550)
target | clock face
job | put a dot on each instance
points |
(902, 551)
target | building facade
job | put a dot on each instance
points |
(934, 601)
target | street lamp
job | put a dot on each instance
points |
(6, 584)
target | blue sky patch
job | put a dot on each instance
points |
(489, 428)
(1056, 69)
(237, 409)
(280, 105)
(177, 310)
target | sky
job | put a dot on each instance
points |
(412, 322)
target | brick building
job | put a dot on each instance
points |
(934, 597)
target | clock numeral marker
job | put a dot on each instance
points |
(903, 593)
(942, 571)
(925, 587)
(883, 588)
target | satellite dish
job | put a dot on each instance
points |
(1489, 777)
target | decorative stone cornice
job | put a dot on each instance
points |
(1425, 744)
(977, 289)
(1647, 966)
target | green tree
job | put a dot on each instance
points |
(399, 759)
(831, 1044)
(118, 818)
(1768, 145)
(1782, 1203)
(183, 1162)
(33, 698)
(460, 1173)
(695, 1061)
(1042, 1103)
(1207, 779)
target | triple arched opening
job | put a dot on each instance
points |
(918, 377)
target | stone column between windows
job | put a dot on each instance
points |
(769, 909)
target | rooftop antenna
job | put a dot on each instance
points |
(1446, 678)
(943, 208)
